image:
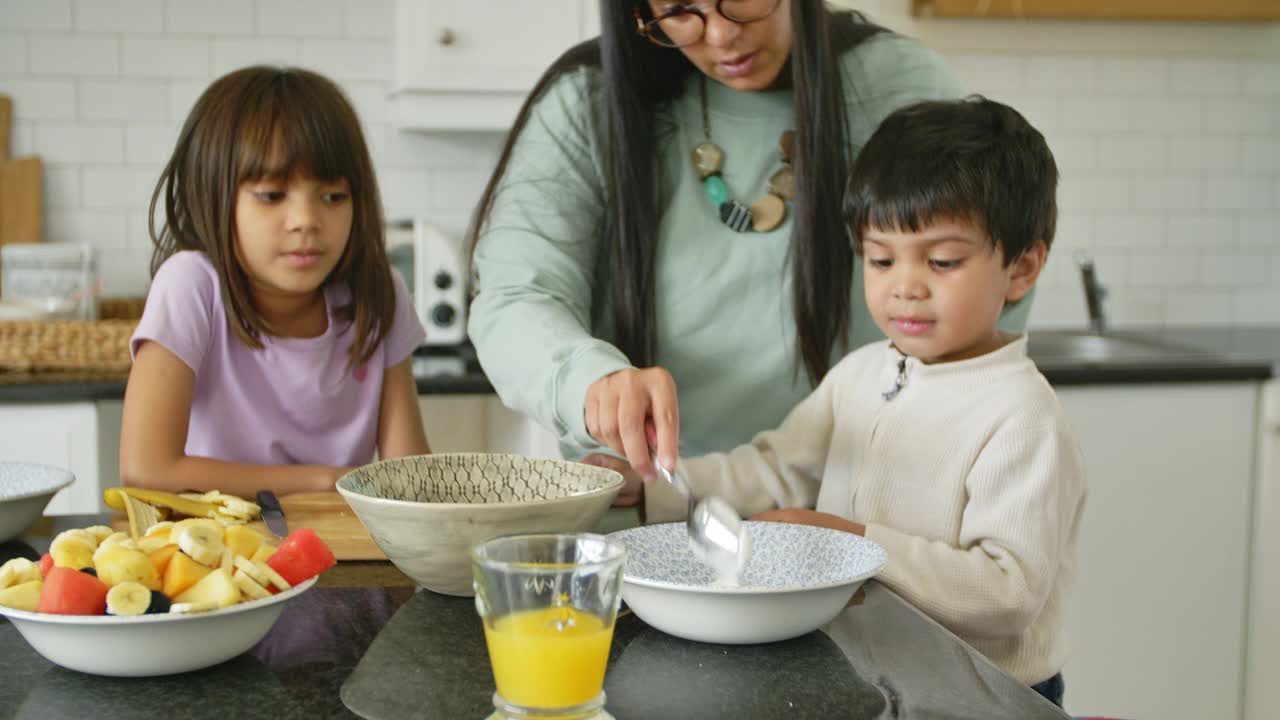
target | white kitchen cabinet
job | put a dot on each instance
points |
(69, 435)
(481, 423)
(464, 65)
(1157, 615)
(1262, 659)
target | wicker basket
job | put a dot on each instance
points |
(61, 345)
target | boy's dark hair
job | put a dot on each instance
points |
(969, 159)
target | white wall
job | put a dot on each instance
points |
(1168, 135)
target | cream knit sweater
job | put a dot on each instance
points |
(969, 477)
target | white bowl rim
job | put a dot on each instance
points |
(124, 621)
(615, 482)
(754, 589)
(61, 483)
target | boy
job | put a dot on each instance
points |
(943, 444)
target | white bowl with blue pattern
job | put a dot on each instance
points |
(798, 578)
(25, 490)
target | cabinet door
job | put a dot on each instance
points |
(493, 46)
(1156, 617)
(60, 434)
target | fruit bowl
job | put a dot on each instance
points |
(797, 579)
(25, 490)
(426, 511)
(149, 645)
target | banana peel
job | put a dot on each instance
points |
(145, 508)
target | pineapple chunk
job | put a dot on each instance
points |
(24, 596)
(216, 587)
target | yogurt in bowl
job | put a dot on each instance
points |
(798, 578)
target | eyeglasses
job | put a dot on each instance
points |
(683, 25)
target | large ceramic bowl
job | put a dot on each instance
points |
(426, 511)
(25, 490)
(147, 645)
(797, 579)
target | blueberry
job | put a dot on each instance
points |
(159, 603)
(89, 571)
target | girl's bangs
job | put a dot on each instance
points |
(278, 138)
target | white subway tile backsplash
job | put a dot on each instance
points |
(124, 272)
(61, 187)
(1262, 78)
(1230, 116)
(368, 18)
(225, 17)
(1197, 306)
(1166, 114)
(129, 100)
(394, 148)
(1098, 114)
(1086, 191)
(1057, 307)
(1160, 267)
(1256, 306)
(369, 99)
(1041, 111)
(1260, 229)
(182, 97)
(100, 228)
(22, 139)
(1227, 268)
(39, 99)
(1074, 151)
(125, 16)
(405, 188)
(1237, 193)
(348, 59)
(1206, 77)
(458, 190)
(74, 55)
(1130, 230)
(1137, 306)
(138, 224)
(118, 187)
(37, 14)
(1131, 152)
(1134, 76)
(990, 74)
(1062, 74)
(315, 18)
(149, 144)
(170, 56)
(1201, 230)
(235, 53)
(80, 143)
(1260, 155)
(1204, 152)
(1167, 191)
(1074, 232)
(13, 53)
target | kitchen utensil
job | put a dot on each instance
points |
(800, 577)
(272, 513)
(426, 511)
(716, 533)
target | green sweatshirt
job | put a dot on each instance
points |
(542, 321)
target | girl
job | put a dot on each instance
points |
(274, 350)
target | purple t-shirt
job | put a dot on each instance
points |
(295, 401)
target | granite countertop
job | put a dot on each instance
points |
(361, 644)
(1217, 354)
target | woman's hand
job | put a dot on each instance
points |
(632, 485)
(804, 516)
(620, 406)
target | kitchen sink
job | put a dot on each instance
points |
(1090, 348)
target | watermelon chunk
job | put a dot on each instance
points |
(70, 592)
(46, 562)
(301, 556)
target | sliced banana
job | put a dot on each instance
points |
(252, 570)
(202, 543)
(77, 535)
(112, 540)
(102, 532)
(193, 607)
(162, 527)
(72, 551)
(275, 577)
(228, 558)
(248, 586)
(17, 571)
(128, 598)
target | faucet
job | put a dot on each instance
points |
(1093, 293)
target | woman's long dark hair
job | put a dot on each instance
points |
(639, 78)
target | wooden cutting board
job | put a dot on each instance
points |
(326, 513)
(21, 189)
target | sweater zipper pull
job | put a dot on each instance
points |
(898, 382)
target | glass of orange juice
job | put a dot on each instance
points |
(548, 602)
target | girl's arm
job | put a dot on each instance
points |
(400, 430)
(153, 439)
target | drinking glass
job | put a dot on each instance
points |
(548, 602)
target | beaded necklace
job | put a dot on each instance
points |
(770, 209)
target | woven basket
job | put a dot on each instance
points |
(60, 345)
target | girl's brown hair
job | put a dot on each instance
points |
(271, 122)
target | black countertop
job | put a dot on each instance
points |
(1221, 354)
(391, 652)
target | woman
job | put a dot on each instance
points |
(610, 271)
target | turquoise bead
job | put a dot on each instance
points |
(716, 190)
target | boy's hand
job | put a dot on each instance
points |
(632, 485)
(804, 516)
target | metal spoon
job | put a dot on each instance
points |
(716, 533)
